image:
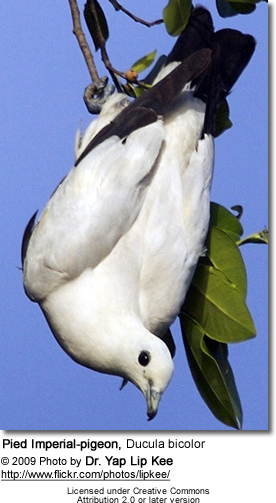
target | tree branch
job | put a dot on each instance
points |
(102, 45)
(118, 7)
(96, 93)
(78, 32)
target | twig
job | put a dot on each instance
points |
(78, 32)
(92, 92)
(102, 45)
(118, 7)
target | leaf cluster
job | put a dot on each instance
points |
(215, 313)
(177, 12)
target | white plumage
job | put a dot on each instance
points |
(113, 254)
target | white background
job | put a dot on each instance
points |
(233, 466)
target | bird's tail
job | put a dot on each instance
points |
(231, 52)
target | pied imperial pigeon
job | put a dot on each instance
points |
(112, 255)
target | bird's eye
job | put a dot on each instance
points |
(144, 358)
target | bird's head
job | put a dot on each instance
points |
(117, 345)
(150, 368)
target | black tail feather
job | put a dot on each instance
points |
(236, 50)
(232, 51)
(197, 35)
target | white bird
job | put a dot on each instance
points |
(112, 256)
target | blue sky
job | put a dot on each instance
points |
(43, 78)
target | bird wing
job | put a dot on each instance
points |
(91, 210)
(114, 105)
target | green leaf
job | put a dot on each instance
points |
(232, 8)
(252, 2)
(225, 256)
(212, 373)
(149, 79)
(218, 307)
(176, 16)
(92, 25)
(222, 118)
(216, 299)
(143, 63)
(134, 90)
(225, 9)
(257, 238)
(243, 7)
(215, 313)
(223, 219)
(239, 209)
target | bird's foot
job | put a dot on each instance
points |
(96, 95)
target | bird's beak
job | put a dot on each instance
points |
(153, 399)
